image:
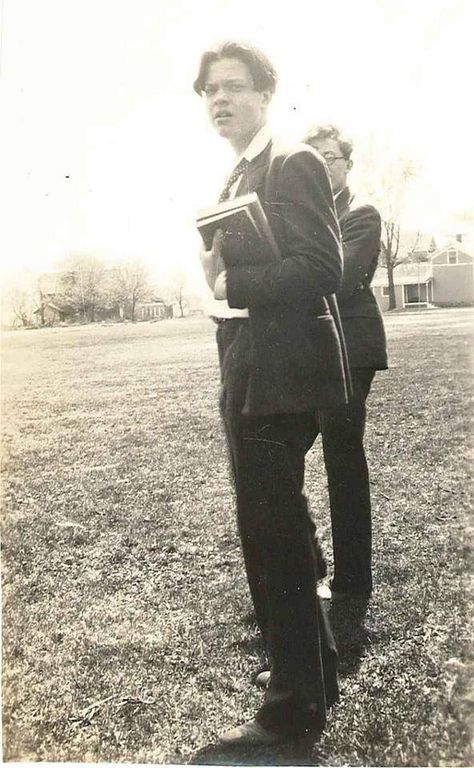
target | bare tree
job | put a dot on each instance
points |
(81, 286)
(176, 291)
(397, 178)
(180, 299)
(19, 299)
(20, 303)
(390, 254)
(130, 286)
(387, 176)
(390, 246)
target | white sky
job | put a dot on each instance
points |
(105, 149)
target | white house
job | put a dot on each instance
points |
(446, 279)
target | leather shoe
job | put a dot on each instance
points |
(250, 733)
(263, 678)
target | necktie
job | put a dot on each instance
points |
(238, 170)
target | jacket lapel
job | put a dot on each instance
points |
(343, 201)
(253, 178)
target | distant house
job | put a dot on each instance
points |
(413, 285)
(446, 279)
(453, 276)
(155, 309)
(49, 314)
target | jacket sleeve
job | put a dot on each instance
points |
(361, 231)
(309, 239)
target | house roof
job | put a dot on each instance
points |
(50, 305)
(405, 274)
(153, 302)
(454, 245)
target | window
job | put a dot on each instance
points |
(415, 294)
(452, 256)
(385, 290)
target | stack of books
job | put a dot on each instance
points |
(247, 234)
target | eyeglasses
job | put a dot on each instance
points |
(331, 159)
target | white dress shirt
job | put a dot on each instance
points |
(219, 308)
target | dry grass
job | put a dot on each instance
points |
(126, 632)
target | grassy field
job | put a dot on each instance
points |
(127, 632)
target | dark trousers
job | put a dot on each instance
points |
(267, 457)
(342, 432)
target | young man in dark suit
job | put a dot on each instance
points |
(343, 428)
(280, 361)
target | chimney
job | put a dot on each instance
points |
(459, 238)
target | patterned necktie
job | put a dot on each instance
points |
(238, 170)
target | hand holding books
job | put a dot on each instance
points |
(220, 286)
(247, 237)
(211, 260)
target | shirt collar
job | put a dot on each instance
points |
(257, 145)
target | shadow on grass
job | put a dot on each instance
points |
(347, 619)
(251, 642)
(300, 753)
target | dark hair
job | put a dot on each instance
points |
(319, 132)
(263, 72)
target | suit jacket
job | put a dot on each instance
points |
(361, 317)
(295, 359)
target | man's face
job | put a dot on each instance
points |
(338, 166)
(235, 108)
